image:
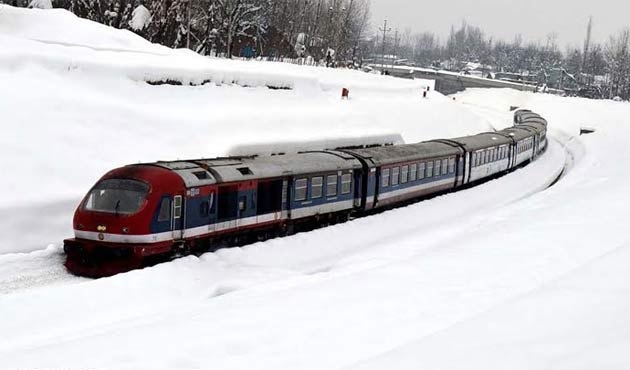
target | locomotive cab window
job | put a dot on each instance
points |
(316, 187)
(165, 210)
(119, 196)
(300, 189)
(346, 183)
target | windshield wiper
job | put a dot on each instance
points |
(117, 206)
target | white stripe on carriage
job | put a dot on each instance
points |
(168, 235)
(123, 238)
(411, 189)
(221, 226)
(322, 208)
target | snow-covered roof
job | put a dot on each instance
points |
(483, 140)
(409, 152)
(200, 172)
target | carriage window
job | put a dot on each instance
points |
(316, 187)
(346, 183)
(300, 189)
(404, 174)
(395, 176)
(413, 172)
(444, 166)
(451, 165)
(436, 168)
(429, 169)
(421, 167)
(385, 178)
(165, 210)
(331, 185)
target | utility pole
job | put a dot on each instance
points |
(395, 49)
(384, 30)
(587, 44)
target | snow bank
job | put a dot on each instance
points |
(60, 27)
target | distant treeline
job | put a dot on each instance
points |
(606, 65)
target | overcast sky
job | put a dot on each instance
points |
(502, 19)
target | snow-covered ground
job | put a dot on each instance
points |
(508, 274)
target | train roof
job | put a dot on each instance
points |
(540, 127)
(209, 171)
(483, 140)
(518, 133)
(529, 117)
(407, 152)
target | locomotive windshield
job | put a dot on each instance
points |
(119, 196)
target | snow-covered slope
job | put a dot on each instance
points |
(504, 275)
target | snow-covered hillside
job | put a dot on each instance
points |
(508, 274)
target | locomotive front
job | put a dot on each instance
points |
(124, 219)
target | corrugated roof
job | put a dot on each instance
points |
(408, 152)
(219, 170)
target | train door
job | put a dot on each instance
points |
(358, 188)
(247, 192)
(463, 167)
(378, 185)
(177, 221)
(286, 199)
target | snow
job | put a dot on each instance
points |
(140, 18)
(508, 274)
(40, 4)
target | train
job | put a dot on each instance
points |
(141, 214)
